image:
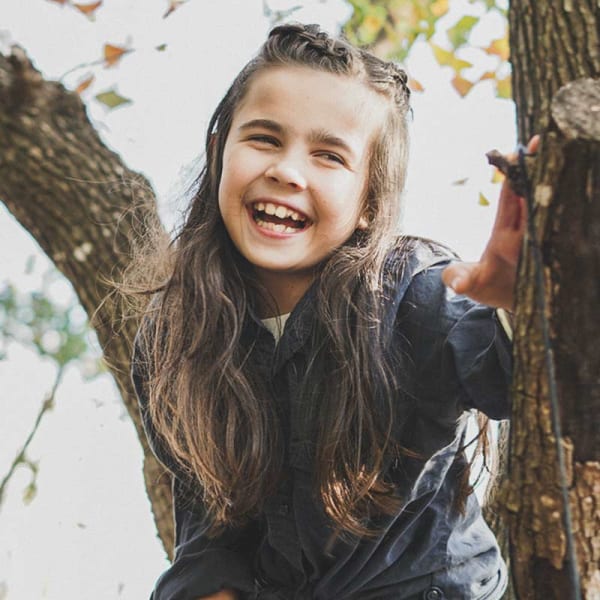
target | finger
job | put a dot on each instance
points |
(460, 276)
(532, 146)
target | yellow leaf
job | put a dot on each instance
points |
(499, 48)
(488, 75)
(113, 54)
(498, 176)
(84, 85)
(415, 86)
(173, 6)
(460, 181)
(88, 9)
(449, 59)
(372, 24)
(483, 201)
(504, 87)
(461, 85)
(439, 8)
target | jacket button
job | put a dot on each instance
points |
(433, 593)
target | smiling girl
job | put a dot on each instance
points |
(302, 370)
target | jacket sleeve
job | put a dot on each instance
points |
(202, 565)
(461, 352)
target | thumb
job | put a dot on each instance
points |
(459, 276)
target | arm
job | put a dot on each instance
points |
(492, 280)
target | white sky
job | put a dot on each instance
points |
(88, 533)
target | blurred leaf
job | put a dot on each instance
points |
(499, 48)
(461, 85)
(439, 8)
(59, 1)
(498, 176)
(415, 85)
(113, 54)
(88, 9)
(460, 181)
(84, 85)
(161, 47)
(449, 59)
(111, 99)
(30, 264)
(504, 88)
(488, 75)
(458, 34)
(29, 493)
(173, 6)
(483, 201)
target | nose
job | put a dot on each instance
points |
(287, 174)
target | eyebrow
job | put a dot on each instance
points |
(318, 136)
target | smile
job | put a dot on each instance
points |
(278, 218)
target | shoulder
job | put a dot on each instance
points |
(413, 267)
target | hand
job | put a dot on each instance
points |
(492, 280)
(222, 595)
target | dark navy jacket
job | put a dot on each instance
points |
(460, 359)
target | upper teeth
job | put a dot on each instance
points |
(278, 210)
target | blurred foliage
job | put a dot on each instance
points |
(55, 330)
(390, 28)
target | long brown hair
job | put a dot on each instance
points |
(206, 402)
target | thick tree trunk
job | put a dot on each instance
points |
(84, 208)
(555, 43)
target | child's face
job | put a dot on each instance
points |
(298, 147)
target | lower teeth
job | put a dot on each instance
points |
(277, 227)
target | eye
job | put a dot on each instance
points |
(332, 157)
(264, 139)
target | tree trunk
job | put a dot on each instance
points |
(84, 208)
(555, 43)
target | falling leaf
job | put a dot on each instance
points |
(111, 99)
(84, 85)
(88, 9)
(439, 8)
(113, 54)
(449, 59)
(483, 201)
(504, 88)
(59, 1)
(499, 48)
(173, 6)
(415, 86)
(81, 525)
(461, 85)
(161, 47)
(459, 33)
(498, 176)
(460, 181)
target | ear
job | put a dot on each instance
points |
(362, 224)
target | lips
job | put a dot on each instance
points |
(278, 218)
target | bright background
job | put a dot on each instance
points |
(88, 532)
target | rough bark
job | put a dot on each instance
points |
(556, 43)
(84, 208)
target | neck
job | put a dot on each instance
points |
(283, 292)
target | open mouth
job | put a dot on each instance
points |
(278, 218)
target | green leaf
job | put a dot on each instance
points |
(504, 88)
(459, 33)
(111, 99)
(449, 59)
(161, 47)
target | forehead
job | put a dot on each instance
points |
(304, 99)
